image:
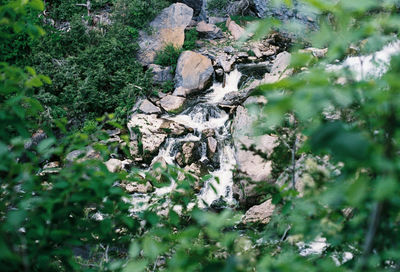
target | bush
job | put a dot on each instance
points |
(217, 4)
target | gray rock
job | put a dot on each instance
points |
(115, 165)
(209, 31)
(229, 50)
(135, 187)
(279, 69)
(148, 132)
(147, 107)
(281, 63)
(250, 166)
(316, 52)
(298, 12)
(167, 28)
(194, 71)
(260, 213)
(198, 7)
(172, 103)
(191, 152)
(216, 20)
(161, 74)
(226, 62)
(180, 91)
(236, 30)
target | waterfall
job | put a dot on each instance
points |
(202, 114)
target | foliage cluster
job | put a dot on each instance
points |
(217, 6)
(93, 67)
(169, 56)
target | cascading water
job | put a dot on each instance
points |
(203, 114)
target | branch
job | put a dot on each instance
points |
(294, 162)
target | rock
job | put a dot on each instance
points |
(249, 165)
(180, 91)
(161, 74)
(260, 213)
(82, 155)
(257, 52)
(226, 62)
(194, 71)
(219, 72)
(236, 30)
(135, 187)
(73, 155)
(196, 5)
(36, 138)
(50, 168)
(316, 52)
(208, 132)
(179, 159)
(191, 152)
(114, 165)
(194, 171)
(158, 166)
(147, 107)
(298, 12)
(279, 69)
(216, 20)
(150, 131)
(243, 55)
(172, 103)
(167, 28)
(229, 50)
(212, 145)
(219, 205)
(209, 31)
(234, 98)
(281, 63)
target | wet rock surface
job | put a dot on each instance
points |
(172, 103)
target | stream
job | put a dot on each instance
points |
(203, 113)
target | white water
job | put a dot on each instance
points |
(370, 66)
(220, 90)
(203, 114)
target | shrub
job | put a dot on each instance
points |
(169, 56)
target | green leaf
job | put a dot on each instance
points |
(37, 4)
(136, 266)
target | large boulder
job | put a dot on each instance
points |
(167, 28)
(193, 71)
(148, 132)
(252, 168)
